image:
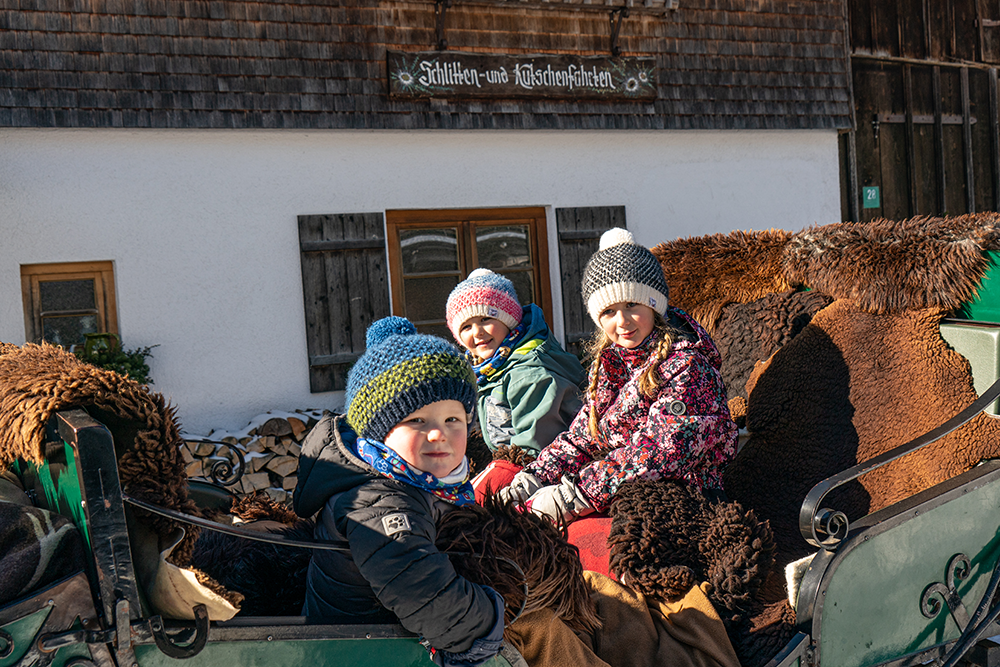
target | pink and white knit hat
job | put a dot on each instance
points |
(482, 294)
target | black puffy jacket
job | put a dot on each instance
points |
(393, 564)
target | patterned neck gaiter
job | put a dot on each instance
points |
(456, 488)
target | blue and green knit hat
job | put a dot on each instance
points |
(400, 372)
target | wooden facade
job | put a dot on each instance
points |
(924, 79)
(305, 64)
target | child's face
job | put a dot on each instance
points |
(431, 439)
(482, 335)
(626, 323)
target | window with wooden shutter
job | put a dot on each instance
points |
(63, 302)
(345, 288)
(579, 231)
(431, 251)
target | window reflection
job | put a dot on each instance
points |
(68, 330)
(429, 250)
(426, 297)
(503, 247)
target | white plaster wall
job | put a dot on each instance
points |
(201, 225)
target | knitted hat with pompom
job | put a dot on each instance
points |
(621, 270)
(482, 294)
(400, 372)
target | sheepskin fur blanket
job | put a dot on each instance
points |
(750, 332)
(270, 577)
(36, 381)
(707, 273)
(851, 386)
(666, 537)
(868, 373)
(550, 564)
(888, 266)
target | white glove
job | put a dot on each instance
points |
(520, 488)
(563, 501)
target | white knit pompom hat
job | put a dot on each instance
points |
(622, 270)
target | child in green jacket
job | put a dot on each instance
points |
(529, 387)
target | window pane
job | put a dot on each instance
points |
(524, 285)
(67, 295)
(429, 250)
(425, 298)
(68, 331)
(503, 247)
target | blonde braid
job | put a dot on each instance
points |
(597, 344)
(650, 379)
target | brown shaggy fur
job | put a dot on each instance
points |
(750, 332)
(258, 506)
(270, 579)
(767, 630)
(666, 536)
(477, 451)
(888, 266)
(851, 386)
(515, 455)
(706, 273)
(38, 380)
(551, 565)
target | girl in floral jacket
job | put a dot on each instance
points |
(655, 406)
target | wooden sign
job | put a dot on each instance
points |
(453, 74)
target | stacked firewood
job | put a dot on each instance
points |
(270, 448)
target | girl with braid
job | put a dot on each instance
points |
(655, 406)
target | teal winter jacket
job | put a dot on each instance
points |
(535, 395)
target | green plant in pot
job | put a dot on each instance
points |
(105, 350)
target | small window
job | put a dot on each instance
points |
(63, 302)
(432, 251)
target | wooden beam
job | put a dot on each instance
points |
(911, 161)
(995, 138)
(939, 139)
(970, 169)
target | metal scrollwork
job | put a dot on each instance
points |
(931, 600)
(830, 527)
(6, 644)
(222, 471)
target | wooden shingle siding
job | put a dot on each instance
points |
(305, 64)
(345, 287)
(579, 231)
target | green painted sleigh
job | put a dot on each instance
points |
(98, 617)
(911, 584)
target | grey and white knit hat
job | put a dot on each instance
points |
(622, 270)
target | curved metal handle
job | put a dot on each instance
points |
(257, 536)
(169, 648)
(812, 520)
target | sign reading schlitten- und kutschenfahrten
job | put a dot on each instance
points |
(451, 74)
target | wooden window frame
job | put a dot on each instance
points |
(467, 221)
(102, 273)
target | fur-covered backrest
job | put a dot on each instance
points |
(889, 266)
(706, 273)
(36, 381)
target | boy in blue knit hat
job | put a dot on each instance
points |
(381, 477)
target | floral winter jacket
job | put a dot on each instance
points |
(683, 432)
